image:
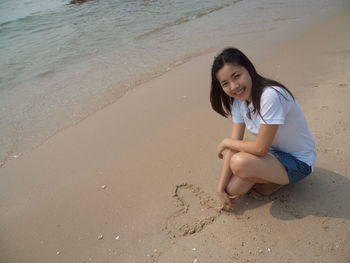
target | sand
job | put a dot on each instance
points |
(135, 182)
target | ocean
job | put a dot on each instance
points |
(60, 63)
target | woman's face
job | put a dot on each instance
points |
(235, 82)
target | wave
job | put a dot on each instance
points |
(20, 19)
(186, 19)
(31, 15)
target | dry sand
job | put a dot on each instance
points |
(136, 181)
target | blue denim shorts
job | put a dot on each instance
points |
(296, 169)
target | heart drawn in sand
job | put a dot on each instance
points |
(196, 211)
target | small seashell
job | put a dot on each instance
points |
(194, 249)
(195, 260)
(103, 186)
(117, 238)
(260, 251)
(58, 252)
(155, 250)
(100, 237)
(269, 249)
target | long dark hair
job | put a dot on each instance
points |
(219, 100)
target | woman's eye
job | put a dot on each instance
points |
(224, 85)
(236, 76)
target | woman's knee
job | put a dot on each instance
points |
(239, 163)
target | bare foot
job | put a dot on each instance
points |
(266, 189)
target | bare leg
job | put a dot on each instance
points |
(238, 186)
(249, 170)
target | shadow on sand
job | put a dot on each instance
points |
(322, 194)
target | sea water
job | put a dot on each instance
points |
(59, 62)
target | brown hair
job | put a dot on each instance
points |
(220, 101)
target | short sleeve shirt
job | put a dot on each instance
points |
(277, 106)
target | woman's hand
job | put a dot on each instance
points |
(227, 203)
(221, 148)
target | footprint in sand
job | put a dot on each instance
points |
(196, 210)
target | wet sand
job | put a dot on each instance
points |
(135, 182)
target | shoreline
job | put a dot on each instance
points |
(63, 98)
(54, 206)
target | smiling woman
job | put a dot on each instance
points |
(284, 149)
(236, 82)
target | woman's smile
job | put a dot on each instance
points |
(239, 92)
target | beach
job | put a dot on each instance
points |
(136, 180)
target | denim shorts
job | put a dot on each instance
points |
(296, 169)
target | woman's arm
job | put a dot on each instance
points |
(260, 146)
(225, 175)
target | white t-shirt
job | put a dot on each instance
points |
(293, 135)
